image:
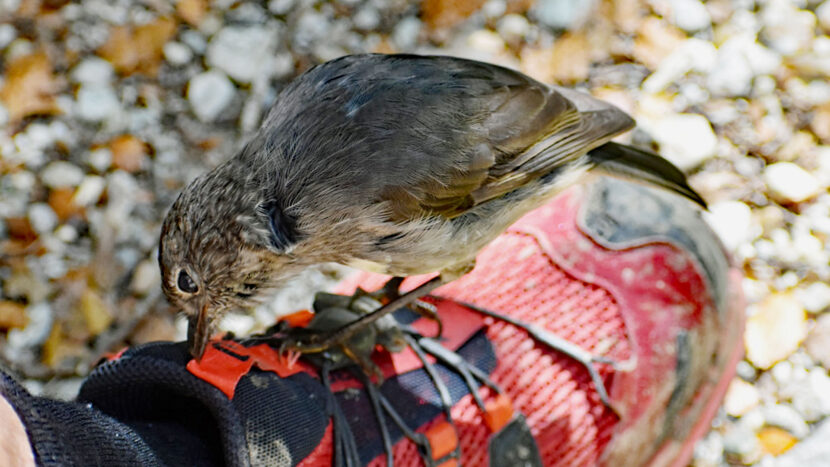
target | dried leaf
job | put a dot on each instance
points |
(775, 441)
(440, 14)
(139, 49)
(192, 11)
(820, 123)
(154, 328)
(518, 6)
(655, 40)
(61, 202)
(19, 228)
(627, 15)
(53, 349)
(569, 60)
(30, 87)
(12, 315)
(128, 153)
(95, 312)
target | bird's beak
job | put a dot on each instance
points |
(198, 332)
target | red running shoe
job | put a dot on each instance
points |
(621, 272)
(612, 287)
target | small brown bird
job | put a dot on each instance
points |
(398, 164)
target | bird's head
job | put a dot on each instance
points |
(217, 253)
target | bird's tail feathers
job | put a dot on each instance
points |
(638, 165)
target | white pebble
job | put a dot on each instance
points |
(513, 27)
(494, 8)
(93, 70)
(775, 330)
(486, 41)
(732, 221)
(209, 93)
(243, 53)
(96, 103)
(685, 139)
(787, 28)
(283, 66)
(7, 34)
(194, 40)
(811, 397)
(177, 53)
(4, 116)
(739, 60)
(22, 181)
(406, 33)
(564, 14)
(89, 191)
(66, 233)
(789, 182)
(121, 193)
(367, 18)
(146, 277)
(690, 15)
(237, 323)
(99, 159)
(786, 417)
(42, 218)
(692, 55)
(60, 174)
(280, 7)
(815, 297)
(741, 397)
(823, 15)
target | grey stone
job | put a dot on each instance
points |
(93, 71)
(690, 15)
(209, 93)
(243, 53)
(366, 18)
(406, 33)
(786, 417)
(7, 34)
(564, 14)
(280, 7)
(685, 139)
(813, 451)
(96, 103)
(60, 174)
(177, 53)
(42, 218)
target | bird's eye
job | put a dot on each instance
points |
(186, 284)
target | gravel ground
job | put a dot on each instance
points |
(107, 108)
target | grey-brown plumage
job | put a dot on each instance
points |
(399, 164)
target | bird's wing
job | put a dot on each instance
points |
(432, 135)
(518, 130)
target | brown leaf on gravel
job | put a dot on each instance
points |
(655, 40)
(19, 228)
(820, 123)
(138, 49)
(192, 11)
(518, 6)
(568, 61)
(128, 153)
(95, 312)
(776, 441)
(30, 87)
(440, 14)
(154, 328)
(59, 346)
(61, 202)
(626, 15)
(12, 315)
